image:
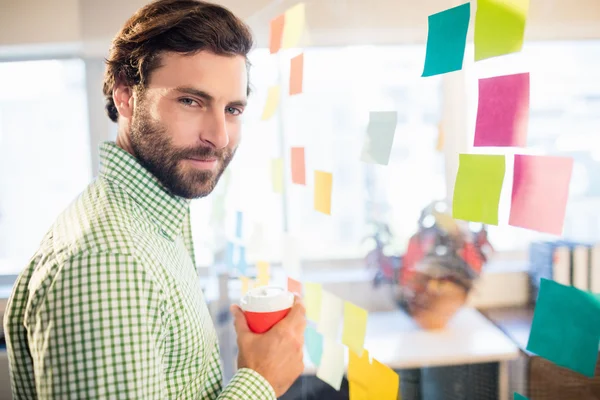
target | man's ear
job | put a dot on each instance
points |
(123, 98)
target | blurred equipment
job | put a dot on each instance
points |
(433, 278)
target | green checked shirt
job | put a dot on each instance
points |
(110, 306)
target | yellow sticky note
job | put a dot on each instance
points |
(499, 27)
(263, 273)
(441, 139)
(312, 300)
(295, 19)
(385, 383)
(277, 174)
(355, 327)
(272, 102)
(322, 196)
(245, 284)
(358, 392)
(359, 368)
(332, 310)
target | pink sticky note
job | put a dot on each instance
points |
(503, 112)
(540, 191)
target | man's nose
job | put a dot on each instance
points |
(215, 130)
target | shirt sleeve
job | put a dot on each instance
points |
(96, 333)
(248, 384)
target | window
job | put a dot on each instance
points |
(44, 151)
(564, 120)
(341, 86)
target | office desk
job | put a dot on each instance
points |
(394, 339)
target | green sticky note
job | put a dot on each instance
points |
(499, 27)
(566, 327)
(313, 341)
(446, 40)
(477, 188)
(518, 396)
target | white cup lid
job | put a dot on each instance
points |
(267, 299)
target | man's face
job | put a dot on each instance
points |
(186, 123)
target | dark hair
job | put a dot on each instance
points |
(182, 26)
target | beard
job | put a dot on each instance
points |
(154, 149)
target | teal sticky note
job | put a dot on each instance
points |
(446, 40)
(566, 327)
(518, 396)
(314, 344)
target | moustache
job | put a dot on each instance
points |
(202, 153)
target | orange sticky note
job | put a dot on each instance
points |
(296, 74)
(294, 286)
(277, 174)
(263, 273)
(276, 33)
(298, 166)
(322, 196)
(359, 368)
(355, 327)
(385, 384)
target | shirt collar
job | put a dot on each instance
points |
(166, 210)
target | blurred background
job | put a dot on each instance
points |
(358, 56)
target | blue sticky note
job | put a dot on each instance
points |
(446, 40)
(314, 344)
(242, 264)
(518, 396)
(238, 225)
(229, 254)
(566, 327)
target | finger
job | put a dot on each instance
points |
(239, 319)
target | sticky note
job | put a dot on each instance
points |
(477, 189)
(380, 137)
(503, 111)
(294, 25)
(238, 224)
(499, 27)
(332, 310)
(441, 138)
(312, 300)
(277, 174)
(322, 195)
(229, 254)
(540, 192)
(291, 255)
(357, 392)
(298, 166)
(247, 284)
(359, 368)
(518, 396)
(296, 74)
(242, 264)
(276, 33)
(331, 369)
(566, 327)
(294, 286)
(446, 40)
(313, 341)
(263, 269)
(272, 102)
(385, 384)
(355, 327)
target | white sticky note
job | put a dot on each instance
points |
(331, 369)
(380, 137)
(332, 310)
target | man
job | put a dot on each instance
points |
(110, 305)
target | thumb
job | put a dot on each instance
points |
(239, 319)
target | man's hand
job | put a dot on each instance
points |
(276, 354)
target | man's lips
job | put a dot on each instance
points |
(203, 163)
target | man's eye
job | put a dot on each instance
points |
(188, 102)
(233, 111)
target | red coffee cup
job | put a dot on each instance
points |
(265, 306)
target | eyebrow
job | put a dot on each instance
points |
(206, 96)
